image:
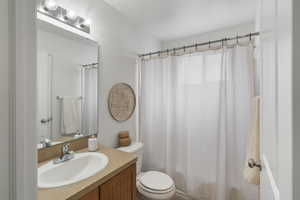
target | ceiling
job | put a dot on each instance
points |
(170, 19)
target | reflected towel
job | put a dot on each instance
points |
(70, 123)
(252, 175)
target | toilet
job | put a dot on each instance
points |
(151, 185)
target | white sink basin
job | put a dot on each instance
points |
(82, 166)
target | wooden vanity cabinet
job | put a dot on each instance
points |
(94, 195)
(120, 187)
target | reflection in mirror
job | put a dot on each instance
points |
(67, 93)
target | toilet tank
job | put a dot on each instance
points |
(136, 148)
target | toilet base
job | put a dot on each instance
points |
(141, 197)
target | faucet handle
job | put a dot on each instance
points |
(66, 154)
(46, 142)
(65, 148)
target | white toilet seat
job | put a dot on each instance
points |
(155, 185)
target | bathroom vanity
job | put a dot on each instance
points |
(117, 181)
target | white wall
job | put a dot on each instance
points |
(120, 42)
(23, 88)
(232, 31)
(4, 101)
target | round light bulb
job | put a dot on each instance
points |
(51, 5)
(87, 22)
(71, 15)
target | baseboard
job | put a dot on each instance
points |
(180, 195)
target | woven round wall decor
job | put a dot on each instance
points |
(121, 102)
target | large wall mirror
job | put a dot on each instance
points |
(67, 93)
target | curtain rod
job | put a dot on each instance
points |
(90, 65)
(250, 36)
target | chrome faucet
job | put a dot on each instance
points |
(66, 154)
(45, 142)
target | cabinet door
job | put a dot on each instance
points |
(120, 187)
(93, 195)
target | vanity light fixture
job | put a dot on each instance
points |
(69, 17)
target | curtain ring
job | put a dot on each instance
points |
(209, 44)
(224, 43)
(184, 49)
(196, 47)
(237, 40)
(250, 37)
(174, 51)
(168, 52)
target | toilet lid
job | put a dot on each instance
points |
(156, 181)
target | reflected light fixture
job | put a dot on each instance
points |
(51, 9)
(71, 15)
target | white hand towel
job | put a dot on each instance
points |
(70, 115)
(252, 175)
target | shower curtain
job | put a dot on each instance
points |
(90, 100)
(195, 115)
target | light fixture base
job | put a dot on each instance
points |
(63, 15)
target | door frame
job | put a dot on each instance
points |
(22, 87)
(276, 26)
